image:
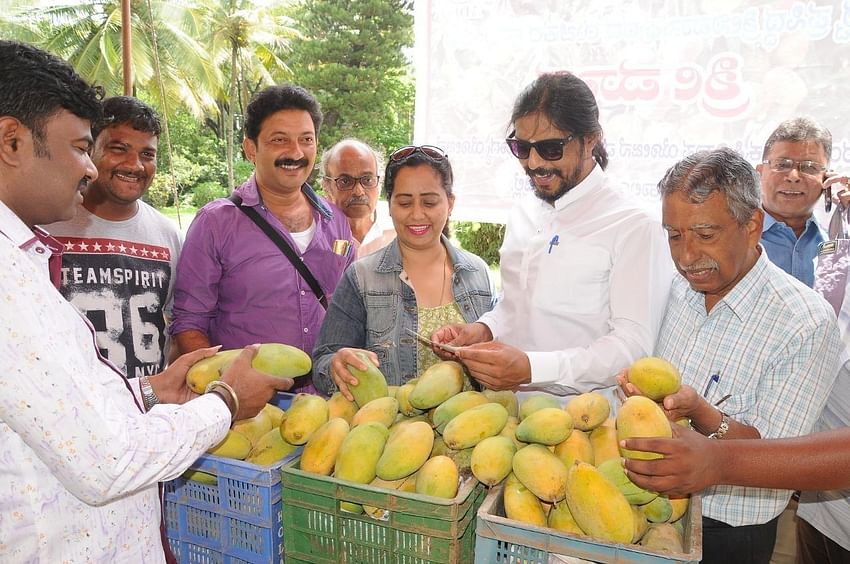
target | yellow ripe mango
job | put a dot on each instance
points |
(254, 427)
(492, 459)
(462, 458)
(641, 524)
(379, 512)
(360, 451)
(509, 430)
(208, 369)
(561, 519)
(540, 471)
(234, 445)
(639, 416)
(371, 383)
(535, 402)
(437, 384)
(306, 414)
(275, 414)
(269, 449)
(403, 397)
(588, 411)
(575, 447)
(409, 484)
(616, 474)
(320, 452)
(507, 398)
(439, 447)
(522, 505)
(275, 359)
(546, 426)
(391, 391)
(680, 507)
(339, 406)
(382, 410)
(659, 510)
(454, 406)
(474, 425)
(663, 537)
(406, 451)
(603, 439)
(438, 477)
(598, 506)
(201, 477)
(655, 377)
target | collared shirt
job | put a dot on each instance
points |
(774, 345)
(585, 283)
(237, 287)
(795, 256)
(379, 235)
(79, 462)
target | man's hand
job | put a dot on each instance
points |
(459, 335)
(339, 368)
(253, 388)
(684, 403)
(170, 384)
(496, 365)
(691, 463)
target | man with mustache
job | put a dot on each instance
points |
(234, 284)
(585, 271)
(351, 180)
(757, 350)
(120, 253)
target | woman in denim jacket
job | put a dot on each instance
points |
(419, 282)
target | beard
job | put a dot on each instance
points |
(562, 187)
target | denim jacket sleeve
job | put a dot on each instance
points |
(344, 326)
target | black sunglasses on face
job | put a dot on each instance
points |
(548, 149)
(430, 151)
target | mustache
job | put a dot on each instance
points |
(357, 201)
(544, 172)
(291, 162)
(701, 265)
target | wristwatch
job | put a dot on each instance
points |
(722, 428)
(149, 397)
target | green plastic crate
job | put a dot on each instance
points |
(417, 529)
(500, 540)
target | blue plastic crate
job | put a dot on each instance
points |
(237, 520)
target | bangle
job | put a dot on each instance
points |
(227, 395)
(722, 428)
(149, 397)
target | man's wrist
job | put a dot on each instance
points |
(149, 396)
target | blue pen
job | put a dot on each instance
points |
(714, 379)
(553, 243)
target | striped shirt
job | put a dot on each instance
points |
(774, 344)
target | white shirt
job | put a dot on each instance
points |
(585, 284)
(379, 235)
(79, 462)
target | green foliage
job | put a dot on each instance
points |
(184, 173)
(206, 192)
(482, 239)
(351, 57)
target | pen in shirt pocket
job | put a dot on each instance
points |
(713, 382)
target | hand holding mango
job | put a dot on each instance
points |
(654, 377)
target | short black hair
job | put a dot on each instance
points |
(36, 85)
(569, 104)
(276, 98)
(119, 110)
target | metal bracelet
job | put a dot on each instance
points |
(226, 393)
(149, 397)
(722, 428)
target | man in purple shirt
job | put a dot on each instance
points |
(234, 285)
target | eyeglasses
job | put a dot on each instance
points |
(548, 149)
(345, 182)
(430, 151)
(810, 168)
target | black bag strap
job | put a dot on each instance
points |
(284, 246)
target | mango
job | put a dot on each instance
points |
(360, 451)
(654, 377)
(339, 406)
(616, 474)
(474, 425)
(234, 445)
(409, 484)
(255, 427)
(641, 524)
(378, 512)
(509, 431)
(598, 506)
(521, 504)
(535, 402)
(383, 410)
(391, 391)
(492, 459)
(546, 426)
(439, 447)
(403, 397)
(206, 370)
(507, 398)
(269, 449)
(604, 441)
(575, 447)
(455, 405)
(561, 519)
(201, 477)
(276, 359)
(306, 414)
(659, 510)
(588, 411)
(438, 477)
(540, 471)
(437, 384)
(462, 458)
(639, 416)
(320, 452)
(680, 507)
(406, 451)
(275, 413)
(371, 383)
(663, 537)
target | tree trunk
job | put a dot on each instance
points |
(231, 115)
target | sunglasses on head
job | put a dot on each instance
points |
(430, 151)
(548, 149)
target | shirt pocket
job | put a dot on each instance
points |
(381, 310)
(574, 279)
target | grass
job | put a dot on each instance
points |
(187, 214)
